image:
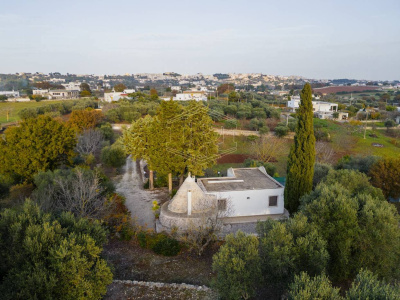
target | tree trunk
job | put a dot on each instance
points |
(170, 183)
(180, 180)
(151, 180)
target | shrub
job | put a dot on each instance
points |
(231, 123)
(113, 156)
(281, 130)
(264, 130)
(167, 246)
(160, 243)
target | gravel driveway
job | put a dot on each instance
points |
(138, 200)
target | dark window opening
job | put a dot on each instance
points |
(273, 200)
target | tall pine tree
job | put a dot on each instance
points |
(300, 168)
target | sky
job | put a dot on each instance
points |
(322, 39)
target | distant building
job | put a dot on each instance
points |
(12, 93)
(321, 109)
(74, 86)
(40, 92)
(116, 96)
(176, 88)
(63, 94)
(190, 95)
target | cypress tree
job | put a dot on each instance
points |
(300, 168)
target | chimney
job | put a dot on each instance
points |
(189, 202)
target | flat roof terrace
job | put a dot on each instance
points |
(244, 179)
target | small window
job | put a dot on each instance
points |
(248, 197)
(273, 200)
(222, 204)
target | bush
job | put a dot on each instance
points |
(264, 130)
(160, 243)
(281, 130)
(49, 257)
(167, 246)
(231, 123)
(113, 156)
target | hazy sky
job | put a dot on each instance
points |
(315, 39)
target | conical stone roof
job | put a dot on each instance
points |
(200, 201)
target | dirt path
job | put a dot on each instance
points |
(138, 200)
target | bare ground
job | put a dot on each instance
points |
(138, 200)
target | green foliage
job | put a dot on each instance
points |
(281, 130)
(256, 123)
(120, 87)
(47, 258)
(359, 163)
(231, 123)
(113, 156)
(107, 131)
(359, 226)
(320, 172)
(173, 144)
(160, 243)
(367, 286)
(38, 144)
(319, 287)
(300, 168)
(290, 247)
(385, 174)
(167, 246)
(237, 265)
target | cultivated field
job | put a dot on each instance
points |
(15, 107)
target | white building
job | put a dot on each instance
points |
(74, 86)
(318, 106)
(40, 92)
(63, 94)
(190, 95)
(398, 119)
(12, 93)
(246, 195)
(176, 88)
(250, 191)
(116, 96)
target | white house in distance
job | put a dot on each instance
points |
(247, 195)
(40, 92)
(190, 95)
(116, 96)
(322, 110)
(63, 94)
(12, 93)
(74, 86)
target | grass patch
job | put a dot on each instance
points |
(15, 107)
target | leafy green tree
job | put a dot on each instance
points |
(305, 287)
(385, 174)
(389, 124)
(113, 156)
(359, 226)
(320, 172)
(38, 144)
(153, 94)
(237, 266)
(281, 131)
(47, 258)
(233, 96)
(120, 87)
(367, 286)
(359, 163)
(85, 119)
(290, 247)
(231, 123)
(300, 168)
